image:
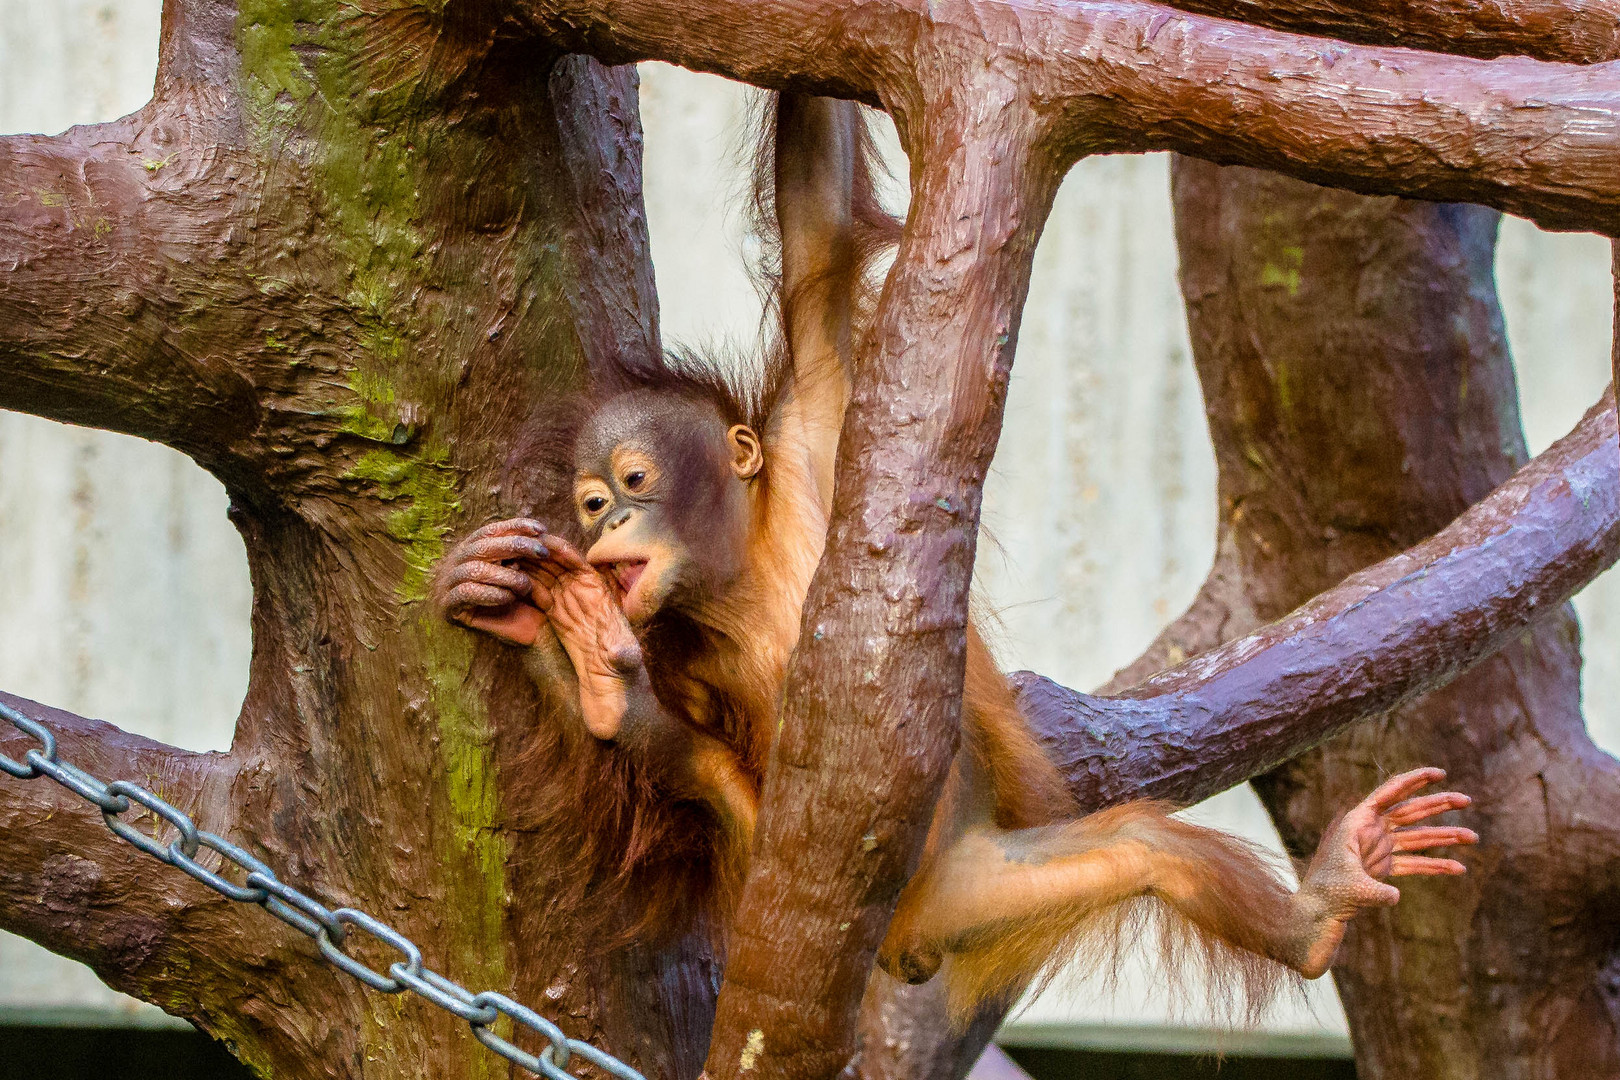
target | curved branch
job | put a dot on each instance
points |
(68, 883)
(96, 226)
(1386, 635)
(1535, 139)
(1572, 32)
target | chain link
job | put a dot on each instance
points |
(328, 928)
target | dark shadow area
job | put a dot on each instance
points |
(1045, 1063)
(75, 1053)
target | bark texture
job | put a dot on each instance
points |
(1286, 686)
(343, 262)
(1360, 392)
(353, 257)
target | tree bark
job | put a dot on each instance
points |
(894, 578)
(359, 260)
(1359, 394)
(347, 281)
(1171, 732)
(1576, 32)
(1127, 76)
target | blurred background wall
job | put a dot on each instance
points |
(124, 591)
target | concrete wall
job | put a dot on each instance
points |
(125, 592)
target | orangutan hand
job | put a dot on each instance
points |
(482, 584)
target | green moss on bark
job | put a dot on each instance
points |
(345, 121)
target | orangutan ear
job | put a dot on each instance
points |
(747, 456)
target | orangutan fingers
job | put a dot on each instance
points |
(499, 549)
(1402, 786)
(1424, 866)
(490, 573)
(509, 527)
(1432, 837)
(1427, 806)
(471, 596)
(567, 556)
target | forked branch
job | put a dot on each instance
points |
(1386, 635)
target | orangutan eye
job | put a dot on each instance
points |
(634, 480)
(594, 504)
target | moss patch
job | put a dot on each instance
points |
(1284, 269)
(332, 96)
(428, 484)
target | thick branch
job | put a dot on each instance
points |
(1386, 635)
(849, 50)
(95, 226)
(71, 885)
(873, 698)
(1535, 139)
(1571, 32)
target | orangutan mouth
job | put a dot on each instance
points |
(626, 574)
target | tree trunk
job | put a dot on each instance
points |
(348, 282)
(358, 259)
(1360, 394)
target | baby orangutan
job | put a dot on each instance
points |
(704, 511)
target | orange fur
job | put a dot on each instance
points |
(1011, 883)
(1003, 908)
(1086, 882)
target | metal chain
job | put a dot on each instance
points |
(303, 913)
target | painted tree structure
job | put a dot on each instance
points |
(350, 253)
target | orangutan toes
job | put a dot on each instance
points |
(1377, 839)
(593, 630)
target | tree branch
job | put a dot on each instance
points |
(68, 883)
(616, 302)
(1535, 139)
(1092, 77)
(98, 227)
(1386, 635)
(873, 695)
(1573, 32)
(847, 50)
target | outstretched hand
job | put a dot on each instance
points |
(1380, 838)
